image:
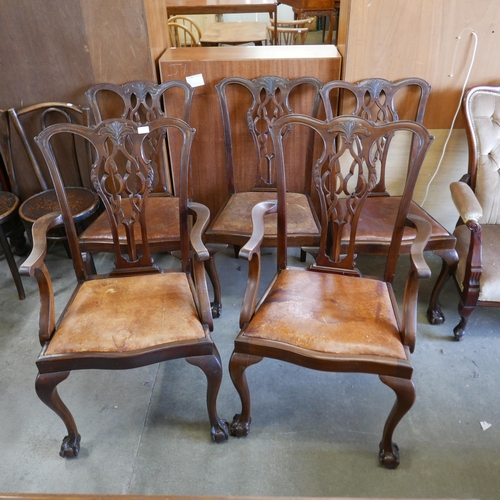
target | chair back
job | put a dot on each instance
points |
(123, 176)
(30, 120)
(289, 32)
(344, 173)
(481, 108)
(142, 102)
(378, 101)
(249, 108)
(183, 32)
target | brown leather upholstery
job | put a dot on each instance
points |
(376, 223)
(110, 315)
(162, 217)
(234, 218)
(315, 311)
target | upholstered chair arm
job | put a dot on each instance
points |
(201, 254)
(34, 265)
(466, 202)
(418, 270)
(251, 252)
(202, 218)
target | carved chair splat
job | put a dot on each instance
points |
(249, 108)
(382, 101)
(142, 102)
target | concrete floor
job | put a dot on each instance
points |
(145, 431)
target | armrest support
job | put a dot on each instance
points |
(201, 254)
(466, 202)
(251, 252)
(418, 270)
(202, 218)
(34, 265)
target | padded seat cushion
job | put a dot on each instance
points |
(162, 218)
(111, 315)
(489, 284)
(378, 217)
(236, 216)
(329, 313)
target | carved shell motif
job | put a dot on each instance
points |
(141, 90)
(385, 109)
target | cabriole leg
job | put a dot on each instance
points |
(212, 367)
(405, 397)
(435, 315)
(237, 366)
(214, 279)
(46, 389)
(465, 312)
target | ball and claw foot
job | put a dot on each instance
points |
(459, 330)
(435, 316)
(70, 447)
(220, 433)
(216, 309)
(389, 460)
(238, 428)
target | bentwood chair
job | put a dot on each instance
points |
(142, 102)
(138, 314)
(74, 161)
(249, 108)
(477, 199)
(184, 32)
(12, 239)
(330, 318)
(381, 101)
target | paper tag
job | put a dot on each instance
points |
(143, 130)
(485, 425)
(195, 80)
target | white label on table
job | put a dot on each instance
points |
(195, 80)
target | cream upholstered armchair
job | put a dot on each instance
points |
(477, 199)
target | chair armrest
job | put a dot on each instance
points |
(34, 265)
(259, 211)
(465, 201)
(39, 251)
(202, 219)
(251, 252)
(418, 270)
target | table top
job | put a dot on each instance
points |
(234, 32)
(219, 6)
